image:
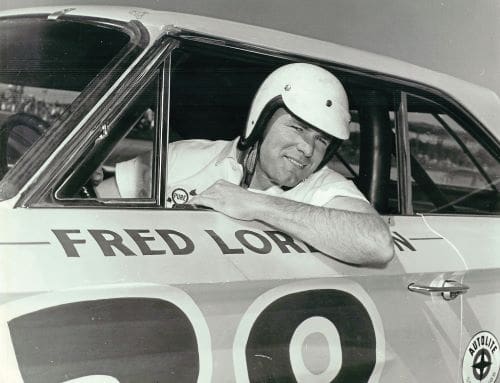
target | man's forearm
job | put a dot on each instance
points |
(352, 237)
(353, 233)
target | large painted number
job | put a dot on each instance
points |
(320, 336)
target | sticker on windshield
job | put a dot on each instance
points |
(481, 359)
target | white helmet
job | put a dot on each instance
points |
(308, 91)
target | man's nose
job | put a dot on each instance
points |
(306, 145)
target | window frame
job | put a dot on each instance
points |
(403, 155)
(107, 129)
(43, 193)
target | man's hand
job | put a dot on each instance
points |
(228, 198)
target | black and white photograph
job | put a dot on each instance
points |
(263, 191)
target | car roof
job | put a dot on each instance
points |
(483, 103)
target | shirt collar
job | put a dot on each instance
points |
(230, 151)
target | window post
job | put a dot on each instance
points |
(403, 156)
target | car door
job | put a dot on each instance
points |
(428, 263)
(207, 298)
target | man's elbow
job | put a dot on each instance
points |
(374, 253)
(385, 255)
(382, 250)
(373, 250)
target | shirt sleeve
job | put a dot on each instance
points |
(173, 155)
(133, 177)
(332, 185)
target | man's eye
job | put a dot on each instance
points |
(323, 140)
(297, 128)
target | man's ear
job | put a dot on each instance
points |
(249, 164)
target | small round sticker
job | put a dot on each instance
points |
(180, 196)
(481, 360)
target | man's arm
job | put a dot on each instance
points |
(347, 229)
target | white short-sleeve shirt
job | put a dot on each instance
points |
(194, 165)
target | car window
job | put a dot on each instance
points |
(210, 97)
(134, 152)
(120, 164)
(452, 172)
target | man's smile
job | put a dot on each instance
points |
(299, 164)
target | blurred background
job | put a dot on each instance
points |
(457, 37)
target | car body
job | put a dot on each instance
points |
(132, 289)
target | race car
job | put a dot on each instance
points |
(96, 288)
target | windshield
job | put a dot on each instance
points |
(45, 65)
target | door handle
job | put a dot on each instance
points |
(450, 289)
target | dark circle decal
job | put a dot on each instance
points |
(279, 335)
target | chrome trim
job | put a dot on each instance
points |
(56, 15)
(163, 134)
(450, 289)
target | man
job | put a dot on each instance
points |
(276, 172)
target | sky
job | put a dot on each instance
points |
(457, 37)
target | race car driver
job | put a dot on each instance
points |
(276, 171)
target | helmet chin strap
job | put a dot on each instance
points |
(249, 162)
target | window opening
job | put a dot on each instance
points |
(122, 154)
(452, 172)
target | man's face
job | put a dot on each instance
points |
(290, 152)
